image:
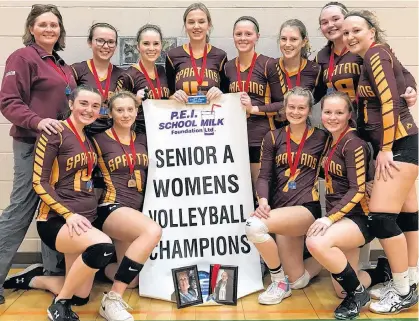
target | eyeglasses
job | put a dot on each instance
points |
(102, 42)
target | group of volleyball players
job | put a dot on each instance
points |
(80, 127)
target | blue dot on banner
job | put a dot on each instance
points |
(204, 282)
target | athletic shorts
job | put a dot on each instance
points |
(405, 150)
(363, 225)
(103, 211)
(254, 154)
(314, 208)
(48, 230)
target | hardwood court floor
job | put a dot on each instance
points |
(317, 301)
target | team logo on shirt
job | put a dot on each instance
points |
(190, 121)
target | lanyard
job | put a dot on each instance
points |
(200, 77)
(329, 157)
(287, 77)
(157, 94)
(131, 162)
(89, 156)
(59, 70)
(293, 165)
(105, 92)
(249, 75)
(332, 61)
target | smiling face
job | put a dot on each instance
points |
(357, 35)
(103, 44)
(183, 280)
(331, 20)
(245, 36)
(123, 112)
(291, 42)
(197, 25)
(85, 107)
(46, 29)
(297, 109)
(224, 276)
(149, 45)
(335, 114)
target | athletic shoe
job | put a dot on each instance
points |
(352, 304)
(276, 292)
(392, 302)
(21, 280)
(61, 311)
(378, 293)
(114, 308)
(2, 300)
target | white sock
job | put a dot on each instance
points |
(401, 282)
(413, 275)
(276, 277)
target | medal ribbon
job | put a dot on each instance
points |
(214, 275)
(157, 94)
(131, 164)
(329, 157)
(332, 62)
(287, 77)
(89, 156)
(249, 75)
(200, 76)
(98, 83)
(59, 70)
(293, 165)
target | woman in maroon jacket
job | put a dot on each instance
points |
(35, 87)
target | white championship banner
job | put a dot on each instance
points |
(199, 191)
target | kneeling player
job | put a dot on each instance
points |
(288, 182)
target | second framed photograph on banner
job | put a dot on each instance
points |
(223, 283)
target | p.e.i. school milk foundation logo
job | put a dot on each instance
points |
(191, 121)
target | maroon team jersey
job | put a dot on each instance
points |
(61, 178)
(180, 72)
(384, 113)
(345, 76)
(264, 91)
(133, 79)
(274, 174)
(115, 169)
(345, 184)
(309, 75)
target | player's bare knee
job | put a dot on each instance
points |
(316, 245)
(256, 230)
(154, 233)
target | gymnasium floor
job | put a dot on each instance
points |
(315, 302)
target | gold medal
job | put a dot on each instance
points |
(132, 183)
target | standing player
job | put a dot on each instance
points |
(288, 184)
(390, 128)
(255, 76)
(340, 71)
(62, 177)
(146, 76)
(30, 73)
(196, 67)
(334, 240)
(123, 161)
(98, 72)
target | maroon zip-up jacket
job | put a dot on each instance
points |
(32, 90)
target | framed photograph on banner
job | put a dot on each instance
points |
(187, 287)
(223, 283)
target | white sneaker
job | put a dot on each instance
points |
(276, 292)
(392, 302)
(114, 308)
(378, 293)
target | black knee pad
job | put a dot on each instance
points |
(408, 222)
(78, 301)
(384, 225)
(98, 256)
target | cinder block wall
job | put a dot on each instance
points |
(398, 18)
